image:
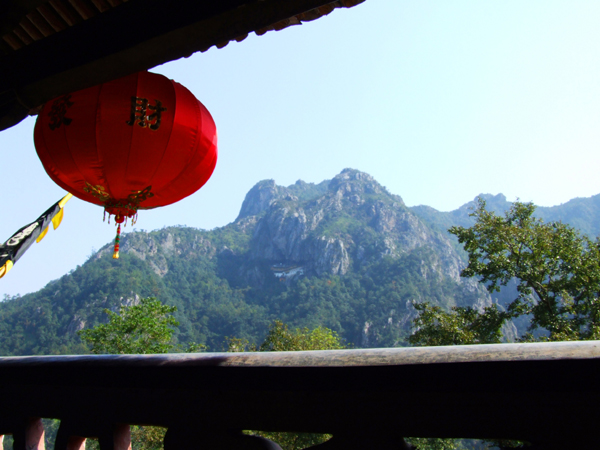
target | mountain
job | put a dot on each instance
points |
(344, 253)
(581, 213)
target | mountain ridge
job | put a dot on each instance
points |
(582, 213)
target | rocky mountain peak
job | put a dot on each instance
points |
(498, 198)
(259, 198)
(493, 202)
(266, 192)
(353, 180)
(354, 222)
(352, 183)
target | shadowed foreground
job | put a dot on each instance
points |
(544, 393)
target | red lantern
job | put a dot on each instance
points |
(138, 142)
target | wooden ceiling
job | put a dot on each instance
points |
(50, 48)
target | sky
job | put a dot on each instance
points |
(439, 101)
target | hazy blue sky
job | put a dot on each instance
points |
(438, 100)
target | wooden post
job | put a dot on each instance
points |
(67, 438)
(30, 435)
(75, 443)
(119, 438)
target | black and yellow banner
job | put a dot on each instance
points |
(18, 243)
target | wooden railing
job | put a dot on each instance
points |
(547, 394)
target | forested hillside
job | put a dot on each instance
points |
(344, 253)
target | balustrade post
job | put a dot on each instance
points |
(72, 434)
(117, 438)
(67, 441)
(68, 438)
(76, 443)
(29, 435)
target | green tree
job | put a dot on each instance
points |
(436, 444)
(147, 438)
(461, 326)
(145, 328)
(557, 271)
(281, 338)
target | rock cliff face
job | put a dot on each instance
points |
(159, 247)
(260, 198)
(327, 229)
(265, 192)
(351, 224)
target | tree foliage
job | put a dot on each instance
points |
(557, 271)
(436, 444)
(145, 328)
(281, 338)
(461, 326)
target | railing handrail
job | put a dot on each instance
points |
(538, 351)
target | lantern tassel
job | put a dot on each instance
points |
(116, 252)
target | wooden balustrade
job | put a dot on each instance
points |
(547, 394)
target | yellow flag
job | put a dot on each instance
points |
(57, 219)
(5, 268)
(19, 242)
(42, 234)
